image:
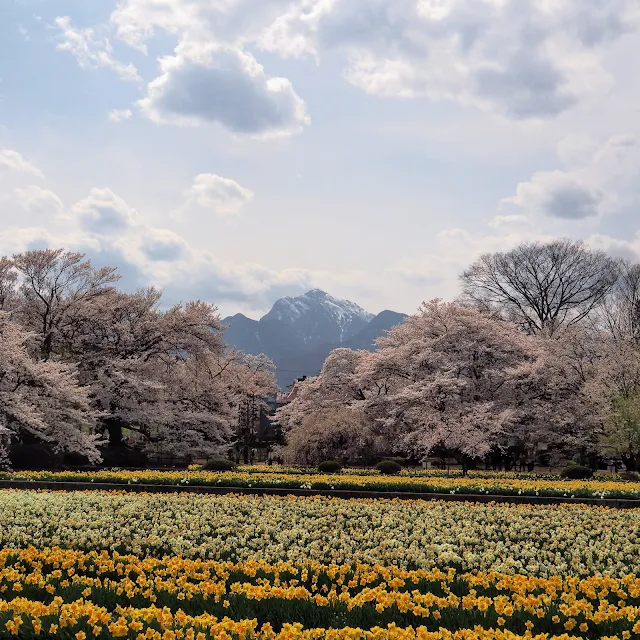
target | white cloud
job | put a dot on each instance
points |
(24, 33)
(119, 115)
(435, 273)
(223, 85)
(90, 51)
(13, 160)
(595, 180)
(221, 196)
(39, 200)
(522, 59)
(103, 213)
(558, 194)
(112, 232)
(514, 220)
(629, 249)
(229, 22)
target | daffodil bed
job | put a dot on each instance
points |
(105, 595)
(486, 484)
(164, 566)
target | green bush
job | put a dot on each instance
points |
(388, 467)
(630, 476)
(576, 472)
(219, 464)
(329, 466)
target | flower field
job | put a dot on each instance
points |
(506, 484)
(109, 595)
(137, 565)
(537, 540)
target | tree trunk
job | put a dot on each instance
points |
(631, 461)
(114, 427)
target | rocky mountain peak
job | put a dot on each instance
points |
(299, 332)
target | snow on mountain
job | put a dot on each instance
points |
(299, 332)
(310, 311)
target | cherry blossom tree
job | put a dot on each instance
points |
(555, 412)
(164, 375)
(43, 400)
(452, 378)
(333, 433)
(447, 377)
(251, 379)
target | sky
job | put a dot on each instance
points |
(236, 151)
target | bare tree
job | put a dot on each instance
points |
(620, 313)
(544, 288)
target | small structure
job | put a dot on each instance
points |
(286, 398)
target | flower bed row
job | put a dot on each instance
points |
(411, 534)
(473, 485)
(111, 595)
(426, 473)
(82, 620)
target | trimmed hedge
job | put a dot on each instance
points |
(329, 466)
(219, 464)
(576, 472)
(389, 467)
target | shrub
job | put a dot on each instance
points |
(329, 466)
(219, 464)
(388, 467)
(630, 476)
(576, 472)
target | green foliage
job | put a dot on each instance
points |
(622, 428)
(388, 467)
(401, 461)
(219, 464)
(576, 472)
(630, 476)
(329, 466)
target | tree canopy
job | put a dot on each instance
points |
(82, 359)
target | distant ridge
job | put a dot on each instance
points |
(298, 333)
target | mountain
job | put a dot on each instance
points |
(299, 332)
(377, 327)
(318, 318)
